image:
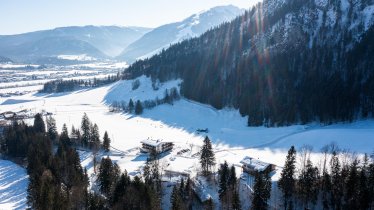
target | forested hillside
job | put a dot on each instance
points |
(282, 62)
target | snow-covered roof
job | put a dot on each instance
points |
(153, 142)
(256, 164)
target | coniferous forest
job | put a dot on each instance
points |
(340, 180)
(277, 70)
(56, 177)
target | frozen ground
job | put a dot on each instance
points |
(13, 186)
(178, 123)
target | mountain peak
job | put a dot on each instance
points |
(193, 26)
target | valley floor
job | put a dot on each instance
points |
(179, 123)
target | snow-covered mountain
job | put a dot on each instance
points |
(95, 41)
(282, 62)
(4, 59)
(193, 26)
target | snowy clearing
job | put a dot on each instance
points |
(13, 186)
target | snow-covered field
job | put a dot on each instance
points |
(13, 186)
(178, 123)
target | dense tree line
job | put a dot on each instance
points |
(228, 191)
(181, 195)
(169, 97)
(88, 136)
(343, 182)
(121, 192)
(57, 180)
(58, 86)
(248, 64)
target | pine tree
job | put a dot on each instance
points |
(138, 107)
(95, 137)
(223, 179)
(147, 172)
(181, 188)
(86, 130)
(108, 175)
(326, 188)
(336, 182)
(207, 159)
(308, 184)
(261, 191)
(175, 199)
(371, 185)
(120, 187)
(364, 199)
(232, 178)
(131, 106)
(39, 125)
(64, 137)
(287, 180)
(236, 205)
(352, 187)
(106, 142)
(52, 129)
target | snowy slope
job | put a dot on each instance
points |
(13, 186)
(178, 123)
(161, 37)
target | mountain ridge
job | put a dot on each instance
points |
(193, 26)
(280, 63)
(106, 39)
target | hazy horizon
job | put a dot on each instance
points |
(25, 16)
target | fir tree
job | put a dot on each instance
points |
(261, 191)
(39, 125)
(120, 187)
(236, 205)
(326, 188)
(106, 142)
(364, 193)
(352, 187)
(232, 178)
(95, 137)
(207, 159)
(287, 180)
(138, 107)
(64, 137)
(52, 129)
(336, 183)
(223, 179)
(175, 199)
(108, 175)
(308, 184)
(371, 185)
(131, 106)
(86, 130)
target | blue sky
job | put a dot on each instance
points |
(18, 16)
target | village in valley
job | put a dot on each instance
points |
(176, 161)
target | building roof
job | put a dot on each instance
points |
(256, 164)
(153, 142)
